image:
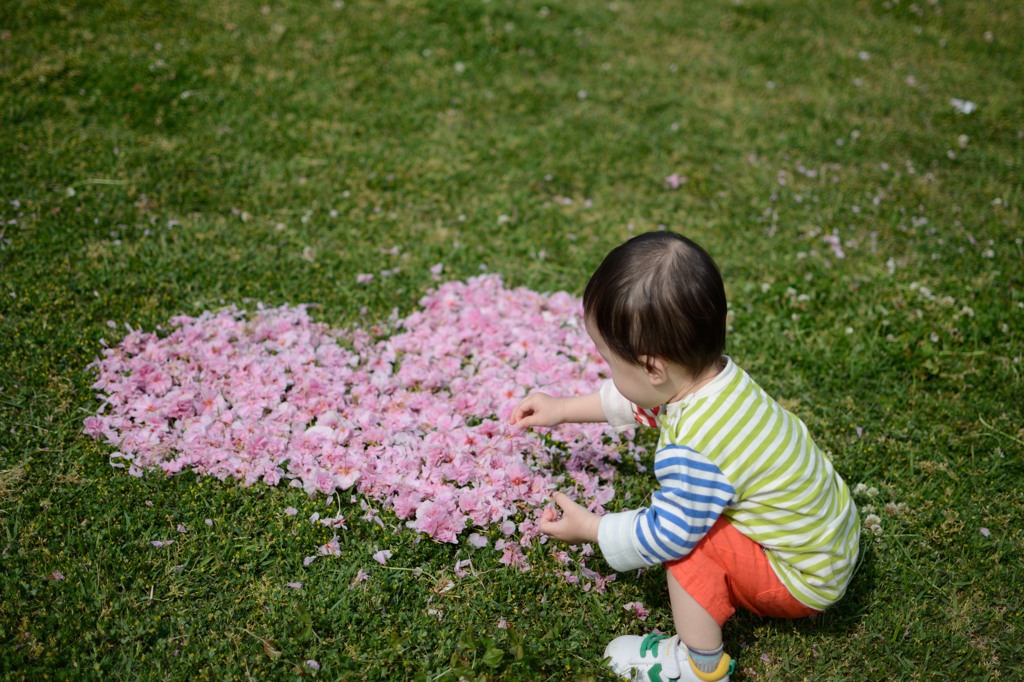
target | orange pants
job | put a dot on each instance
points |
(727, 570)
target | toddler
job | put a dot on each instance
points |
(748, 512)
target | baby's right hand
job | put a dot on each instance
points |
(537, 409)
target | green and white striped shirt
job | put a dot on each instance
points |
(730, 450)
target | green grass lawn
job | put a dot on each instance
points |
(165, 158)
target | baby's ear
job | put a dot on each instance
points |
(656, 368)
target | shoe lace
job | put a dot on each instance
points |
(650, 644)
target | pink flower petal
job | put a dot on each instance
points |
(361, 577)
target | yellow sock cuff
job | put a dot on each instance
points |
(724, 668)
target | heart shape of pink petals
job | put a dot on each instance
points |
(412, 415)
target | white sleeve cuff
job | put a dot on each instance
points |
(615, 536)
(617, 409)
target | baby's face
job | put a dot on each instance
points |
(634, 382)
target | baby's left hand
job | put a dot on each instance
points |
(576, 525)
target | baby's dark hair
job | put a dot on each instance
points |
(659, 295)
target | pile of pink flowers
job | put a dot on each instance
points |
(412, 415)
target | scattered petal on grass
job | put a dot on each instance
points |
(291, 511)
(161, 543)
(361, 577)
(835, 243)
(308, 560)
(56, 576)
(312, 665)
(334, 522)
(637, 610)
(963, 106)
(332, 548)
(382, 556)
(675, 181)
(477, 541)
(985, 531)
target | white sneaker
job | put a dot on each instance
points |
(660, 658)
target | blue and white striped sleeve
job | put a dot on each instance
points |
(694, 492)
